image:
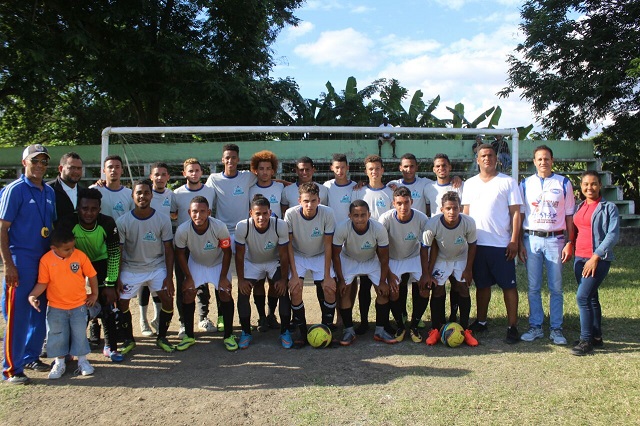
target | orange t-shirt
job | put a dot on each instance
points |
(65, 278)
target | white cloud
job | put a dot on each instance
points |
(362, 9)
(451, 4)
(396, 46)
(292, 33)
(346, 48)
(324, 5)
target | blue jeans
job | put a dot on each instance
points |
(541, 253)
(587, 298)
(67, 332)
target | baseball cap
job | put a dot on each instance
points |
(34, 150)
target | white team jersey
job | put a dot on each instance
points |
(453, 243)
(206, 248)
(308, 234)
(360, 247)
(115, 203)
(290, 195)
(418, 191)
(262, 247)
(546, 202)
(339, 198)
(434, 192)
(142, 241)
(489, 207)
(232, 196)
(404, 237)
(161, 201)
(182, 197)
(273, 193)
(379, 200)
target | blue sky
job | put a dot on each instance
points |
(453, 48)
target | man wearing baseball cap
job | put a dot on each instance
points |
(27, 212)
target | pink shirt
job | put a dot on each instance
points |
(582, 222)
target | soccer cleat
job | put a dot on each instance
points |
(164, 344)
(421, 324)
(182, 332)
(115, 356)
(556, 337)
(230, 343)
(433, 338)
(362, 328)
(348, 338)
(400, 333)
(415, 335)
(206, 325)
(512, 335)
(127, 346)
(469, 339)
(384, 336)
(146, 330)
(582, 348)
(18, 379)
(245, 339)
(476, 327)
(154, 326)
(57, 370)
(220, 324)
(37, 365)
(186, 343)
(286, 340)
(263, 326)
(272, 322)
(532, 334)
(84, 368)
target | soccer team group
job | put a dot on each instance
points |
(347, 236)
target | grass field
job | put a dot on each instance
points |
(367, 383)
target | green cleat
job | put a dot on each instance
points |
(230, 343)
(185, 343)
(164, 344)
(127, 346)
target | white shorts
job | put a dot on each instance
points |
(206, 274)
(352, 268)
(233, 242)
(259, 271)
(133, 281)
(314, 264)
(443, 270)
(406, 266)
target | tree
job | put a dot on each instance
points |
(573, 65)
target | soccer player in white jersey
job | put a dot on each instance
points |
(340, 187)
(161, 202)
(305, 170)
(262, 253)
(209, 245)
(379, 197)
(116, 199)
(452, 238)
(408, 259)
(146, 242)
(434, 192)
(311, 228)
(264, 164)
(182, 196)
(361, 247)
(417, 185)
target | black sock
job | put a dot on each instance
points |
(245, 324)
(110, 329)
(272, 301)
(347, 317)
(437, 312)
(125, 325)
(244, 307)
(328, 312)
(364, 298)
(165, 321)
(403, 294)
(319, 294)
(227, 317)
(454, 302)
(218, 304)
(156, 299)
(419, 307)
(188, 312)
(258, 300)
(299, 318)
(285, 313)
(396, 310)
(465, 310)
(382, 314)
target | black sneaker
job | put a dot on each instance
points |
(272, 322)
(38, 365)
(94, 335)
(582, 348)
(595, 342)
(512, 335)
(362, 328)
(263, 325)
(476, 327)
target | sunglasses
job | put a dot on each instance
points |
(43, 161)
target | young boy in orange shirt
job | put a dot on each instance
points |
(62, 274)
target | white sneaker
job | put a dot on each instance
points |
(57, 370)
(532, 334)
(207, 325)
(84, 368)
(182, 332)
(557, 337)
(146, 330)
(154, 325)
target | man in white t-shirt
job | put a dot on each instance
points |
(305, 170)
(493, 200)
(340, 187)
(386, 136)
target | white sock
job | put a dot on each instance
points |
(82, 358)
(60, 361)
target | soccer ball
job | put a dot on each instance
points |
(319, 336)
(452, 334)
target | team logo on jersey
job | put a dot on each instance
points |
(410, 237)
(75, 267)
(269, 246)
(380, 203)
(459, 240)
(166, 203)
(208, 246)
(438, 274)
(346, 199)
(316, 233)
(118, 207)
(555, 191)
(273, 199)
(367, 246)
(415, 194)
(149, 236)
(32, 201)
(238, 191)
